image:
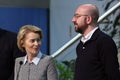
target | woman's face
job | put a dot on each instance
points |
(32, 43)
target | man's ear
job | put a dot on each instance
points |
(89, 19)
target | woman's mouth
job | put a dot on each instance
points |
(36, 49)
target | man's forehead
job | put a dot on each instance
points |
(80, 10)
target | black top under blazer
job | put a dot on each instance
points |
(8, 52)
(97, 59)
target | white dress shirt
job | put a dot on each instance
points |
(35, 60)
(88, 36)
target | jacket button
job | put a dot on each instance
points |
(83, 47)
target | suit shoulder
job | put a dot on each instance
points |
(19, 59)
(7, 32)
(104, 37)
(8, 35)
(11, 34)
(47, 58)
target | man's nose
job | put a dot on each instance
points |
(73, 19)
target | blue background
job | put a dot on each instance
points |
(13, 18)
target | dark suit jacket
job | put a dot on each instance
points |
(8, 52)
(97, 59)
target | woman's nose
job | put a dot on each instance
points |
(37, 43)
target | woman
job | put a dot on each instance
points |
(35, 65)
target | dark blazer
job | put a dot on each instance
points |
(97, 59)
(44, 70)
(8, 52)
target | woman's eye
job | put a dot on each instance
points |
(32, 41)
(38, 40)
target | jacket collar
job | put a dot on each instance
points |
(35, 60)
(95, 34)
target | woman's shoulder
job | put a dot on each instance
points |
(19, 59)
(47, 58)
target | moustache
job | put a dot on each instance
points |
(75, 23)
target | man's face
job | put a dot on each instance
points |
(79, 20)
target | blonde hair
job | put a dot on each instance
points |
(25, 30)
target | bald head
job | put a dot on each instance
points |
(85, 18)
(89, 9)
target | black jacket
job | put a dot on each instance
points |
(97, 59)
(8, 52)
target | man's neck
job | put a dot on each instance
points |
(89, 29)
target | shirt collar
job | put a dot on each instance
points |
(35, 60)
(88, 36)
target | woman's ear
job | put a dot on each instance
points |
(22, 43)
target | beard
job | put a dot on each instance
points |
(81, 29)
(78, 30)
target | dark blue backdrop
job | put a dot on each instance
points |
(13, 18)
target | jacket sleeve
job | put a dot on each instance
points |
(52, 71)
(15, 69)
(108, 56)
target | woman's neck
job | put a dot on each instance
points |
(30, 57)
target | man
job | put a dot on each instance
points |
(96, 52)
(8, 52)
